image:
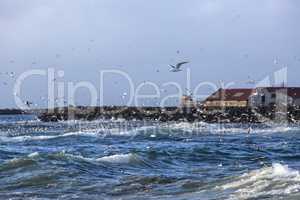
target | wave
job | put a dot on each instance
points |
(207, 128)
(129, 158)
(278, 180)
(16, 163)
(132, 132)
(168, 129)
(120, 158)
(86, 133)
(34, 155)
(32, 159)
(25, 138)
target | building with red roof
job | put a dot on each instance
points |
(229, 98)
(258, 97)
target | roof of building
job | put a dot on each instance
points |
(241, 94)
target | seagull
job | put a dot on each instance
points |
(177, 67)
(28, 103)
(11, 75)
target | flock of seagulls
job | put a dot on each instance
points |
(6, 76)
(175, 68)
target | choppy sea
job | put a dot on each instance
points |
(116, 159)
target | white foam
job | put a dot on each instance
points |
(33, 155)
(202, 127)
(188, 127)
(167, 128)
(276, 180)
(25, 138)
(118, 158)
(132, 132)
(44, 137)
(89, 132)
(79, 133)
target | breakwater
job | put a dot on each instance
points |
(12, 112)
(227, 115)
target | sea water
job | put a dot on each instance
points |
(117, 159)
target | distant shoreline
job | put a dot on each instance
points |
(12, 112)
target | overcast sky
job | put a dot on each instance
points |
(226, 40)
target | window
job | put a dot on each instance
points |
(273, 96)
(263, 99)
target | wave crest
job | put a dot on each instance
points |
(119, 158)
(269, 181)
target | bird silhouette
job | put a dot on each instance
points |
(177, 68)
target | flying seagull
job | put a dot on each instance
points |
(28, 103)
(177, 67)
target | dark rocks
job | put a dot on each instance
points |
(227, 115)
(11, 112)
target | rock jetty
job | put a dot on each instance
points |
(227, 115)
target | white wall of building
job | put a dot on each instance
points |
(263, 97)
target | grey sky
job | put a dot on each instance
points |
(223, 40)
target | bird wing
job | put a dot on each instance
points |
(173, 67)
(180, 64)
